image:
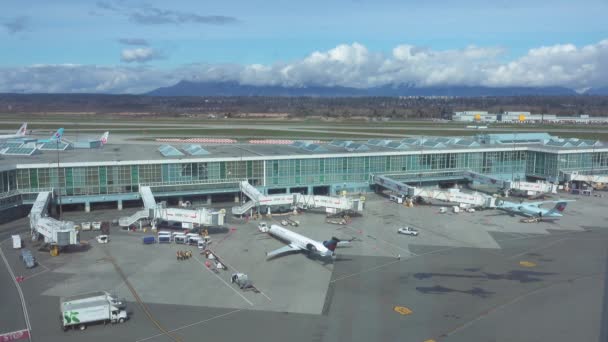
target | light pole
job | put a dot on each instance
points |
(59, 183)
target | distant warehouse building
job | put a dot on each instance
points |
(474, 116)
(525, 117)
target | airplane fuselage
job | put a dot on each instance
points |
(300, 241)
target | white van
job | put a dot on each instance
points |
(86, 225)
(202, 244)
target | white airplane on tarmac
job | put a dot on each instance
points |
(19, 134)
(533, 209)
(299, 242)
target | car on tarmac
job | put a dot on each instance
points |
(102, 238)
(408, 231)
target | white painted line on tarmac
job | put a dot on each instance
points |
(386, 242)
(552, 243)
(223, 281)
(23, 305)
(192, 324)
(390, 263)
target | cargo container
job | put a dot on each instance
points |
(16, 241)
(147, 240)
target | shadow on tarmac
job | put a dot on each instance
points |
(438, 289)
(514, 275)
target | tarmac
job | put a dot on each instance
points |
(467, 277)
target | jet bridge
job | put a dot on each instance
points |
(154, 211)
(295, 200)
(57, 234)
(450, 195)
(575, 176)
(530, 188)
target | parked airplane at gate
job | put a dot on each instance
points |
(299, 242)
(55, 137)
(19, 134)
(534, 209)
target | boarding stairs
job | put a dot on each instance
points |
(152, 210)
(240, 210)
(138, 215)
(147, 197)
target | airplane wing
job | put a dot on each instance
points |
(283, 250)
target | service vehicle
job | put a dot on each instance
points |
(16, 241)
(164, 237)
(102, 238)
(408, 231)
(96, 225)
(81, 310)
(396, 198)
(86, 225)
(28, 258)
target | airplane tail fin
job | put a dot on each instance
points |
(558, 209)
(57, 135)
(332, 243)
(22, 130)
(104, 138)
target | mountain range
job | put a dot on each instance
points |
(233, 88)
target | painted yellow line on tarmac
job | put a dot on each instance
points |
(402, 310)
(527, 264)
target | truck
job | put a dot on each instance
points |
(80, 310)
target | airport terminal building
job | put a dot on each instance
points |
(114, 173)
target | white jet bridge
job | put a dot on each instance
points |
(528, 188)
(57, 234)
(477, 200)
(295, 200)
(575, 176)
(155, 211)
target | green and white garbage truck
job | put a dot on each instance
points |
(82, 310)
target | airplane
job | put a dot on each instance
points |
(55, 137)
(299, 243)
(19, 134)
(104, 138)
(533, 209)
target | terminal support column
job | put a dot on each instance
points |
(119, 206)
(87, 207)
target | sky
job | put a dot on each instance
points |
(126, 46)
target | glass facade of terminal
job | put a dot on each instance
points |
(285, 173)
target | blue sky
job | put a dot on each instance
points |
(241, 33)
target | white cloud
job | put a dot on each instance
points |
(351, 65)
(139, 55)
